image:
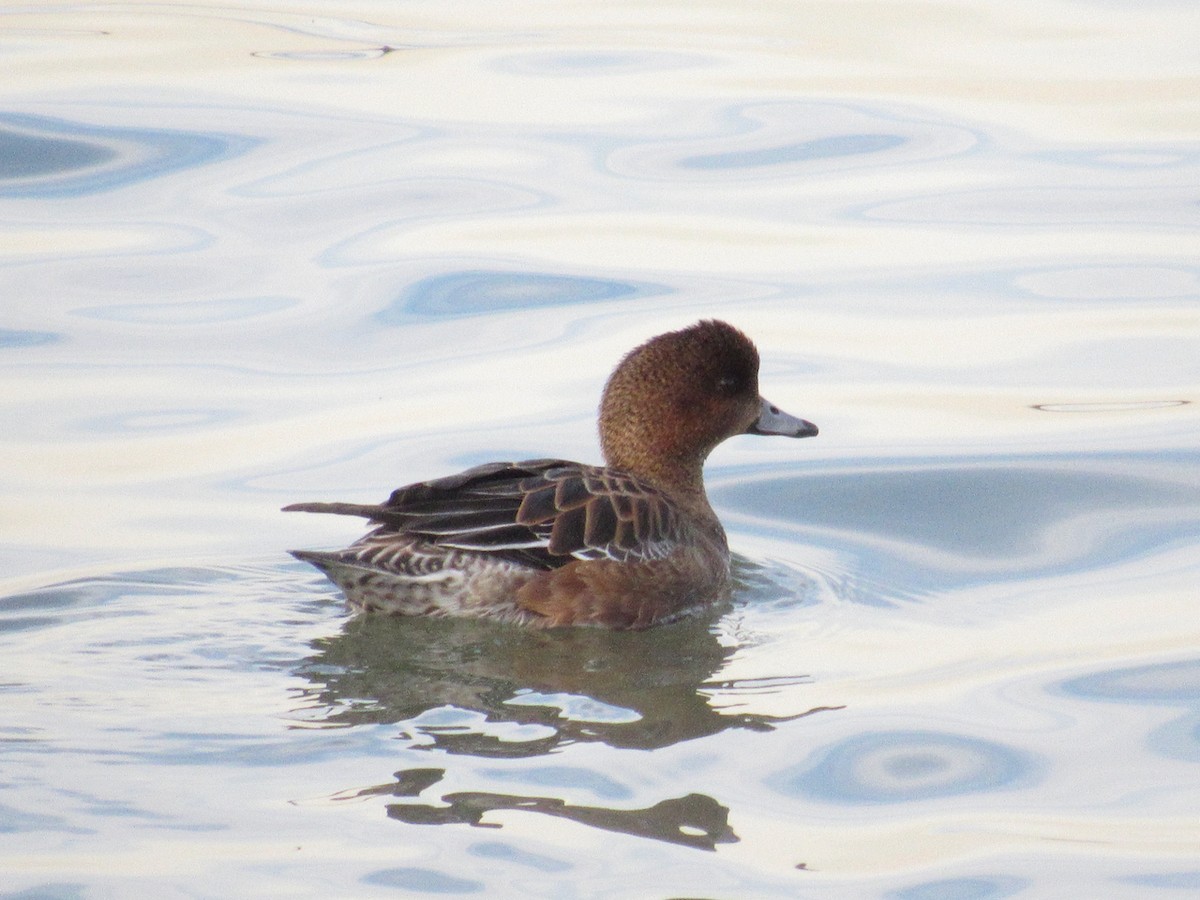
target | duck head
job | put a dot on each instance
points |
(673, 399)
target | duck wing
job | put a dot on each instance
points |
(541, 513)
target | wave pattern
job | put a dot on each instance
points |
(251, 256)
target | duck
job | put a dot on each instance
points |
(550, 543)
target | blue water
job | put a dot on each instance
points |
(252, 256)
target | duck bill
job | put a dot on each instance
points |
(773, 420)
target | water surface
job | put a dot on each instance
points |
(254, 256)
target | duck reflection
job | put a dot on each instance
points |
(694, 820)
(471, 687)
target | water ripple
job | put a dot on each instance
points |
(325, 56)
(981, 520)
(1172, 683)
(1166, 684)
(46, 157)
(482, 291)
(1128, 157)
(197, 312)
(498, 851)
(1177, 881)
(10, 337)
(771, 140)
(611, 62)
(1122, 406)
(841, 145)
(574, 777)
(962, 889)
(1109, 282)
(424, 881)
(1047, 206)
(159, 420)
(906, 766)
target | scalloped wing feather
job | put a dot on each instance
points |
(542, 513)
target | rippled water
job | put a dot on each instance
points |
(252, 256)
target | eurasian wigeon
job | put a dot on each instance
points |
(548, 542)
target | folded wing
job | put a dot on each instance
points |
(539, 513)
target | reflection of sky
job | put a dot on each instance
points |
(997, 519)
(1167, 684)
(474, 293)
(788, 140)
(185, 314)
(818, 148)
(45, 157)
(994, 888)
(1173, 684)
(13, 338)
(903, 767)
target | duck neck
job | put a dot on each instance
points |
(680, 477)
(685, 485)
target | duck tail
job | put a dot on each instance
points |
(365, 510)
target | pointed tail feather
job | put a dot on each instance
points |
(319, 558)
(366, 510)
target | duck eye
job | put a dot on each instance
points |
(727, 384)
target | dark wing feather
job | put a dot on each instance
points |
(569, 532)
(542, 513)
